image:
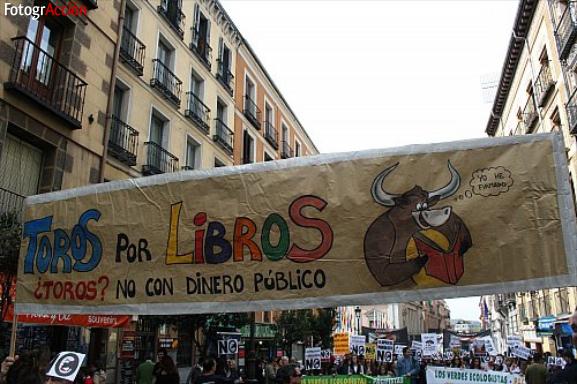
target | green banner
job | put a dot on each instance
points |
(354, 379)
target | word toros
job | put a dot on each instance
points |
(48, 255)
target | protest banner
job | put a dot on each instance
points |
(391, 380)
(341, 344)
(358, 344)
(417, 349)
(312, 358)
(338, 379)
(228, 343)
(370, 351)
(513, 340)
(489, 345)
(429, 343)
(325, 355)
(442, 375)
(521, 352)
(385, 350)
(272, 236)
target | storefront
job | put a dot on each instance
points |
(264, 336)
(562, 333)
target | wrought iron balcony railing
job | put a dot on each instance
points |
(123, 141)
(132, 51)
(223, 136)
(520, 129)
(170, 10)
(39, 76)
(158, 160)
(270, 134)
(286, 151)
(530, 115)
(252, 111)
(166, 82)
(187, 168)
(225, 77)
(199, 45)
(566, 30)
(198, 112)
(572, 113)
(545, 84)
(11, 202)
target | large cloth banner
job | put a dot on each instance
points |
(442, 375)
(354, 379)
(409, 223)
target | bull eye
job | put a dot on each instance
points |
(425, 206)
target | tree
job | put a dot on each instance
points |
(10, 235)
(301, 325)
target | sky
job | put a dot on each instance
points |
(376, 74)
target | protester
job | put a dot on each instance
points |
(387, 369)
(355, 367)
(456, 362)
(144, 372)
(407, 366)
(476, 363)
(209, 373)
(270, 371)
(283, 370)
(569, 373)
(165, 370)
(194, 373)
(536, 373)
(293, 375)
(21, 369)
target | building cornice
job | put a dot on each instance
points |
(223, 21)
(521, 27)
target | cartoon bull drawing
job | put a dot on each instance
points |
(409, 221)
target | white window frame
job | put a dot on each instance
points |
(198, 159)
(265, 153)
(161, 37)
(166, 131)
(132, 5)
(127, 97)
(271, 105)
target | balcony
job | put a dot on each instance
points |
(11, 202)
(225, 77)
(545, 85)
(40, 77)
(223, 136)
(566, 31)
(132, 51)
(252, 112)
(270, 134)
(166, 82)
(199, 46)
(286, 151)
(530, 116)
(172, 13)
(572, 113)
(158, 160)
(123, 141)
(197, 112)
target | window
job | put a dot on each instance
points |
(266, 317)
(221, 111)
(39, 66)
(192, 154)
(201, 35)
(268, 116)
(158, 129)
(224, 73)
(197, 85)
(165, 54)
(120, 101)
(297, 149)
(249, 89)
(247, 148)
(284, 133)
(268, 157)
(218, 163)
(131, 18)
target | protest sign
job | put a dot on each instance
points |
(341, 344)
(513, 340)
(489, 345)
(325, 355)
(442, 375)
(521, 352)
(358, 344)
(399, 349)
(417, 348)
(370, 351)
(385, 350)
(66, 365)
(339, 379)
(312, 358)
(272, 235)
(228, 343)
(429, 343)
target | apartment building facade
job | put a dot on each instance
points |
(537, 92)
(133, 88)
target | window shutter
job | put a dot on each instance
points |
(207, 32)
(246, 149)
(196, 27)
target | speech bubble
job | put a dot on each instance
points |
(491, 181)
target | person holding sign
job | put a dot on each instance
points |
(407, 366)
(569, 373)
(356, 367)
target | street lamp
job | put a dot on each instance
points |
(358, 316)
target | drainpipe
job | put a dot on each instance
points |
(108, 121)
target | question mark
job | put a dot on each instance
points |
(103, 278)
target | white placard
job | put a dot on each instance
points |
(385, 350)
(325, 355)
(66, 365)
(521, 352)
(489, 345)
(358, 344)
(429, 343)
(513, 340)
(313, 358)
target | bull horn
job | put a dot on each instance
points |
(379, 194)
(450, 188)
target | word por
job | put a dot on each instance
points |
(68, 250)
(35, 11)
(211, 247)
